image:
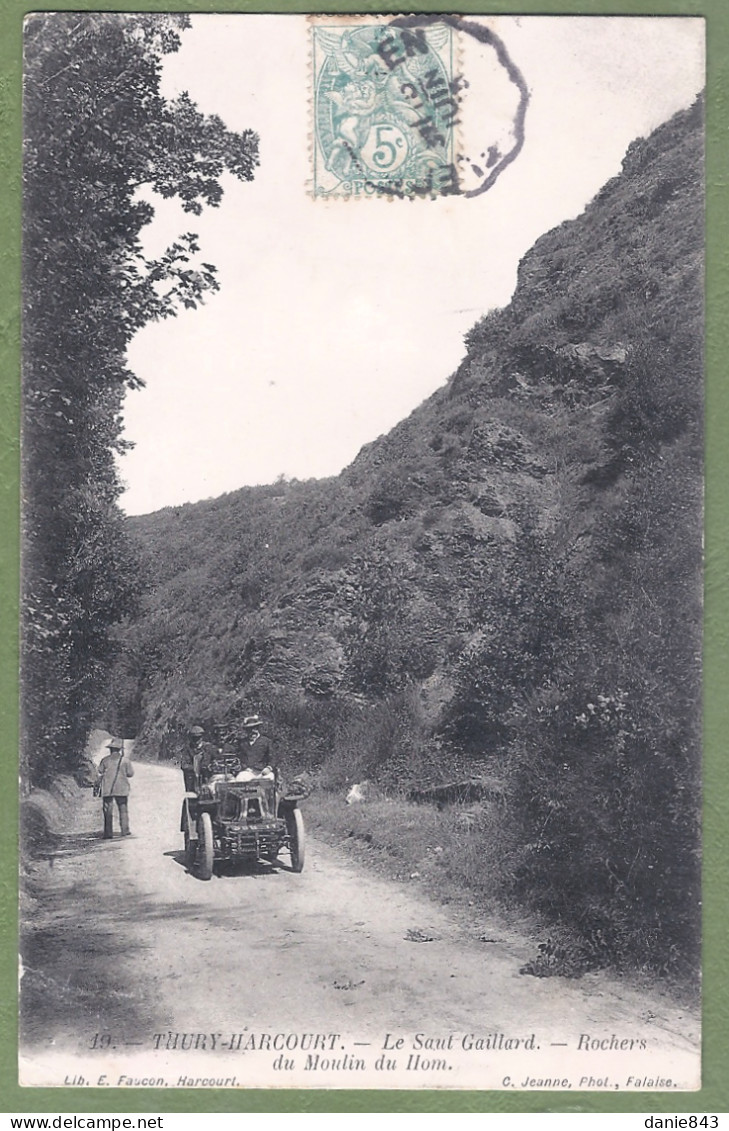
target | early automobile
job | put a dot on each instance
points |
(241, 817)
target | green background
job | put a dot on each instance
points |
(715, 1092)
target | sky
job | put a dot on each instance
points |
(336, 318)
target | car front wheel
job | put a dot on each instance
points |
(205, 847)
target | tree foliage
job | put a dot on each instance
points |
(100, 140)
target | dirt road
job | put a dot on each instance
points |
(141, 973)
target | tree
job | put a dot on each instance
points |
(99, 141)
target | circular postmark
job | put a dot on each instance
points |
(388, 104)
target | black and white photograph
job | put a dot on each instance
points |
(362, 551)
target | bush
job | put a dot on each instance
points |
(383, 741)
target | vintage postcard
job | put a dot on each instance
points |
(363, 473)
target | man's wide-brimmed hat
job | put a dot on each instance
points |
(115, 744)
(197, 732)
(251, 721)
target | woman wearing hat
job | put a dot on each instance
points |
(112, 781)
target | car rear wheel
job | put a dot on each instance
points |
(205, 847)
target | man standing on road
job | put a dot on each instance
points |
(112, 781)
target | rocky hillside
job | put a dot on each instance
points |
(508, 583)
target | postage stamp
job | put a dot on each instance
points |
(385, 108)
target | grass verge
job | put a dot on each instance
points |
(454, 853)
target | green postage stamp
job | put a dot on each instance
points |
(385, 102)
